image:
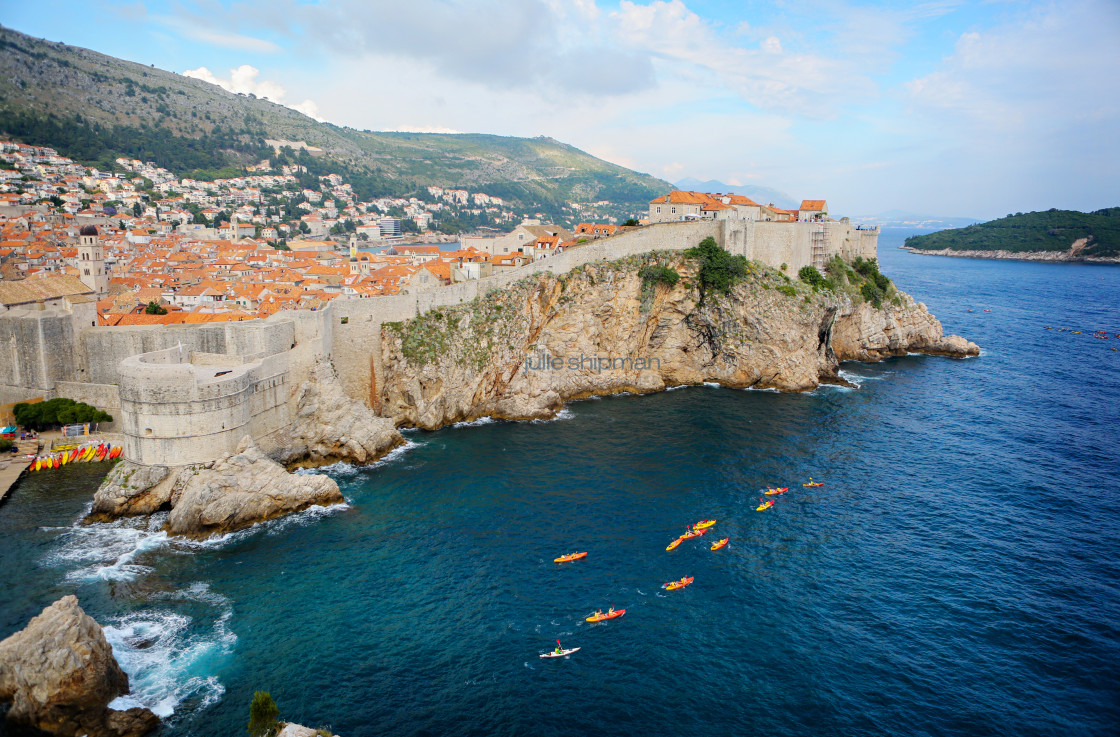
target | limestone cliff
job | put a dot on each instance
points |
(59, 674)
(601, 329)
(332, 427)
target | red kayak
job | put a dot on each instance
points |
(603, 616)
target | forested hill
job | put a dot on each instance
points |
(95, 108)
(1087, 235)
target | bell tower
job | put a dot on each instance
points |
(91, 261)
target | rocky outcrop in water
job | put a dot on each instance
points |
(1073, 255)
(864, 333)
(241, 490)
(59, 674)
(225, 495)
(522, 352)
(298, 730)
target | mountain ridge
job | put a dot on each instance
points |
(107, 106)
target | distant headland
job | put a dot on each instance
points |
(1053, 235)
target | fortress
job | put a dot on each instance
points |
(188, 394)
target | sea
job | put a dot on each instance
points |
(958, 573)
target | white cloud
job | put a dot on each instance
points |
(243, 80)
(196, 29)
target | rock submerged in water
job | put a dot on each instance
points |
(59, 674)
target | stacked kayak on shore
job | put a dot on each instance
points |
(61, 456)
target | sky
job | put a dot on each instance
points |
(945, 107)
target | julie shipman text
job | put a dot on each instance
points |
(544, 362)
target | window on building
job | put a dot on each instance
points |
(674, 211)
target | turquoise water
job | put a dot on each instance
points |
(959, 573)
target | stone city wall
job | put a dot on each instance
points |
(103, 396)
(189, 393)
(37, 350)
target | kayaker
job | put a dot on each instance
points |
(611, 610)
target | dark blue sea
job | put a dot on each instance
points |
(957, 574)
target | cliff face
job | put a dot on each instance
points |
(59, 674)
(602, 329)
(864, 333)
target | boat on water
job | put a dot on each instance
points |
(693, 533)
(813, 483)
(569, 557)
(604, 616)
(674, 585)
(559, 654)
(703, 524)
(720, 543)
(765, 505)
(779, 490)
(675, 543)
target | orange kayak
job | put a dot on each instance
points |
(765, 505)
(780, 490)
(694, 533)
(569, 556)
(673, 586)
(603, 616)
(675, 543)
(720, 543)
(703, 524)
(814, 483)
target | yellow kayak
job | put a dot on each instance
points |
(765, 505)
(703, 524)
(675, 543)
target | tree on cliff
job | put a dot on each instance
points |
(719, 270)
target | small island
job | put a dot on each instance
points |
(1053, 235)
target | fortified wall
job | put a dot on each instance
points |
(188, 393)
(357, 346)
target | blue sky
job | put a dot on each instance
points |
(942, 107)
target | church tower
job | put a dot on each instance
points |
(91, 261)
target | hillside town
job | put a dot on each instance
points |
(151, 248)
(170, 250)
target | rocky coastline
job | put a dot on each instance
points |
(522, 353)
(1068, 257)
(59, 675)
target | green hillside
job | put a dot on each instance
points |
(1052, 230)
(94, 108)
